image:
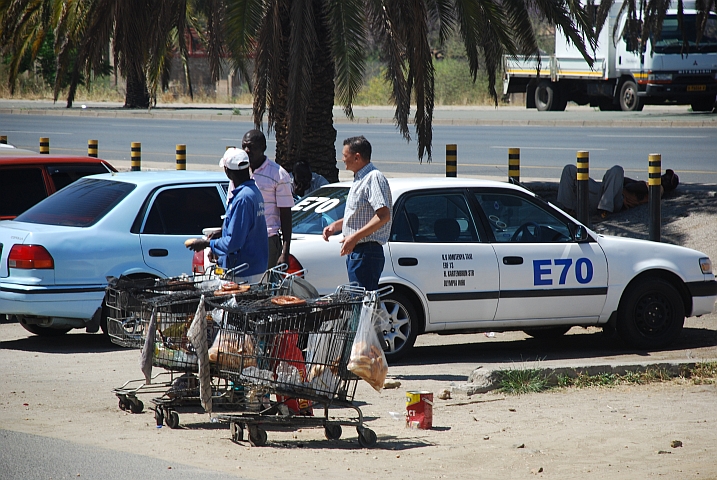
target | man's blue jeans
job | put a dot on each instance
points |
(365, 264)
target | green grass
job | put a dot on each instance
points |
(532, 380)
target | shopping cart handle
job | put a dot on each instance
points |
(237, 269)
(383, 291)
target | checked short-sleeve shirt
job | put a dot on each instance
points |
(368, 193)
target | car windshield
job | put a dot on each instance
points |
(80, 204)
(670, 40)
(324, 206)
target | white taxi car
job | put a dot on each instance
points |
(468, 255)
(55, 257)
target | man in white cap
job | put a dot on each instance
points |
(243, 237)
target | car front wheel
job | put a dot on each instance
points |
(401, 327)
(651, 314)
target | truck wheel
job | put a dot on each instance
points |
(651, 314)
(704, 104)
(545, 96)
(629, 101)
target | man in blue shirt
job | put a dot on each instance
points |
(243, 238)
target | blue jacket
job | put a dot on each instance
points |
(244, 237)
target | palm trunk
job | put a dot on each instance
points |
(137, 95)
(319, 139)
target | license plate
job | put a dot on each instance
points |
(696, 88)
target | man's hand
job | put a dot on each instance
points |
(332, 229)
(283, 259)
(196, 244)
(348, 244)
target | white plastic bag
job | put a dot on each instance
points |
(367, 358)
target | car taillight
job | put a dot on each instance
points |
(198, 262)
(294, 265)
(30, 257)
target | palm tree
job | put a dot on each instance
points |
(144, 35)
(305, 50)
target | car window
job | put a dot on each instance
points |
(184, 211)
(435, 217)
(20, 189)
(324, 206)
(63, 175)
(514, 218)
(81, 204)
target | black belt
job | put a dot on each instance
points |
(367, 244)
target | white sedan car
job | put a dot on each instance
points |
(55, 257)
(468, 255)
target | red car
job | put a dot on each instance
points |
(25, 179)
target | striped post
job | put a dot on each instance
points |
(583, 187)
(136, 157)
(3, 139)
(181, 156)
(654, 193)
(45, 145)
(514, 165)
(92, 148)
(451, 160)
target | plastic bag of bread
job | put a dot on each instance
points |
(233, 350)
(367, 359)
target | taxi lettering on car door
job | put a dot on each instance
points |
(544, 272)
(435, 245)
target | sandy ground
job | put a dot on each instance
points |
(62, 388)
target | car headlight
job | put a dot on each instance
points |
(659, 77)
(706, 265)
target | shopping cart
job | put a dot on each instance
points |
(292, 360)
(164, 309)
(170, 305)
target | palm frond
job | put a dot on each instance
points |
(347, 22)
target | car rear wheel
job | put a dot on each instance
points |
(547, 333)
(42, 331)
(401, 329)
(651, 314)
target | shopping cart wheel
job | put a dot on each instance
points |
(172, 419)
(332, 431)
(123, 404)
(366, 437)
(237, 432)
(159, 416)
(136, 406)
(257, 436)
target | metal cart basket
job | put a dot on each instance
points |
(292, 360)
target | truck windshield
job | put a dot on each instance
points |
(671, 38)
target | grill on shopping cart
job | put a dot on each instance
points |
(292, 360)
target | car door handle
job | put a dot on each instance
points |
(158, 252)
(408, 261)
(512, 260)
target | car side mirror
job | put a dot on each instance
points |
(578, 232)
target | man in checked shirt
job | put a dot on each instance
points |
(367, 218)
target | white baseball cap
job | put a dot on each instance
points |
(235, 159)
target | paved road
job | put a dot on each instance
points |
(548, 140)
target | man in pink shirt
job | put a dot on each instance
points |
(275, 185)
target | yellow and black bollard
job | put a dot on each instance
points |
(136, 157)
(45, 145)
(181, 155)
(514, 165)
(451, 160)
(92, 148)
(3, 139)
(583, 187)
(654, 194)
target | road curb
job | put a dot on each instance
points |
(486, 379)
(708, 122)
